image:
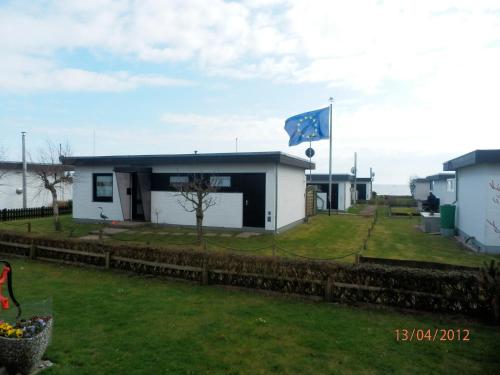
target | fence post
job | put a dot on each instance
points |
(107, 259)
(204, 273)
(328, 288)
(357, 259)
(32, 254)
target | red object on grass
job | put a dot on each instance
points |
(4, 301)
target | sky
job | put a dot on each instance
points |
(415, 83)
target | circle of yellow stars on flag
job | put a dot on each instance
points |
(304, 122)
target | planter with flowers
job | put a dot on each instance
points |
(23, 344)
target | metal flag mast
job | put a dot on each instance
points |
(330, 163)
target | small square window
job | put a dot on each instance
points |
(220, 181)
(450, 185)
(103, 187)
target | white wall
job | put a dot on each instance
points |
(291, 195)
(268, 168)
(83, 205)
(321, 201)
(422, 190)
(440, 190)
(227, 213)
(37, 195)
(475, 203)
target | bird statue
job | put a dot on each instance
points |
(104, 217)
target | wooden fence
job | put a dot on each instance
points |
(441, 291)
(30, 213)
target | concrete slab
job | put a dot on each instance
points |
(211, 234)
(247, 234)
(92, 237)
(226, 235)
(109, 230)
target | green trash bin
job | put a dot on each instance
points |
(447, 212)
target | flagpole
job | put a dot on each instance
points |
(330, 163)
(310, 168)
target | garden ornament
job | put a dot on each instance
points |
(7, 276)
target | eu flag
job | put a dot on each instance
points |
(309, 126)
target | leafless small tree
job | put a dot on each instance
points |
(2, 156)
(51, 173)
(197, 198)
(495, 188)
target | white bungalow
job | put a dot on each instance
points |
(478, 198)
(258, 190)
(11, 187)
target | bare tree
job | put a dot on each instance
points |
(197, 198)
(495, 188)
(51, 173)
(2, 156)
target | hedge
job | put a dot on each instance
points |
(444, 291)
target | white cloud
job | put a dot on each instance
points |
(335, 42)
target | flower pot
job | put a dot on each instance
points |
(23, 355)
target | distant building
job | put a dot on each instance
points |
(342, 190)
(420, 189)
(442, 185)
(478, 198)
(11, 187)
(257, 190)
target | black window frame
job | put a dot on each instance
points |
(95, 198)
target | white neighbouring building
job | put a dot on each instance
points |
(11, 186)
(420, 189)
(342, 190)
(477, 176)
(442, 185)
(258, 190)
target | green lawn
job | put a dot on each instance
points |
(398, 238)
(116, 323)
(322, 237)
(404, 210)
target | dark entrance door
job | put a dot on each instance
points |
(335, 195)
(361, 188)
(137, 207)
(253, 187)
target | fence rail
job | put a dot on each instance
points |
(419, 289)
(30, 213)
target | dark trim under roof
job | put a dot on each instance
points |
(323, 178)
(472, 158)
(440, 176)
(227, 158)
(18, 165)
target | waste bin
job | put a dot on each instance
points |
(447, 212)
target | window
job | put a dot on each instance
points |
(220, 181)
(450, 185)
(178, 180)
(103, 187)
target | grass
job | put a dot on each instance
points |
(322, 237)
(404, 210)
(398, 238)
(115, 323)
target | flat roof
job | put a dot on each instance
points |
(440, 176)
(198, 158)
(18, 165)
(323, 178)
(472, 158)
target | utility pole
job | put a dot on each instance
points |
(25, 168)
(355, 177)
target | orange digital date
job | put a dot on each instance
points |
(432, 334)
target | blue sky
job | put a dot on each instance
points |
(415, 83)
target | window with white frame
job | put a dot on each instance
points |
(450, 185)
(220, 181)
